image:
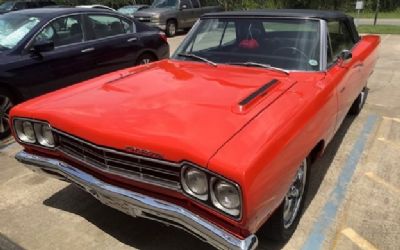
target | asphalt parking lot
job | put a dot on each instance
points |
(353, 202)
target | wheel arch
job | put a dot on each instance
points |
(15, 93)
(174, 19)
(317, 151)
(147, 51)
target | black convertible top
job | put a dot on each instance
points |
(290, 13)
(300, 13)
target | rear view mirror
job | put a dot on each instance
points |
(183, 7)
(43, 46)
(345, 57)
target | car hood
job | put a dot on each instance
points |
(152, 11)
(179, 110)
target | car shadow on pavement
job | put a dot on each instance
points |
(318, 171)
(145, 234)
(136, 232)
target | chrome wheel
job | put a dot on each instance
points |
(362, 99)
(171, 28)
(5, 106)
(294, 196)
(145, 61)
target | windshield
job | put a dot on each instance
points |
(14, 28)
(164, 4)
(127, 10)
(290, 44)
(7, 6)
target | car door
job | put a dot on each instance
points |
(112, 40)
(64, 65)
(347, 74)
(185, 14)
(197, 11)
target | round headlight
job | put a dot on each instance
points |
(25, 131)
(227, 195)
(44, 135)
(196, 181)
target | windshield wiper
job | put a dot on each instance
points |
(261, 65)
(191, 55)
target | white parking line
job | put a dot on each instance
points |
(389, 142)
(385, 38)
(358, 240)
(382, 182)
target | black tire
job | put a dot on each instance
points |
(276, 228)
(7, 101)
(359, 102)
(171, 28)
(145, 59)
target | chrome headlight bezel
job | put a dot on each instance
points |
(188, 188)
(44, 135)
(47, 141)
(20, 127)
(233, 211)
(208, 200)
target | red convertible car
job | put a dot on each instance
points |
(217, 140)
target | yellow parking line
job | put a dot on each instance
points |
(358, 240)
(382, 182)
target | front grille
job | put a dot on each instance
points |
(139, 168)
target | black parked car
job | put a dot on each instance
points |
(42, 50)
(20, 5)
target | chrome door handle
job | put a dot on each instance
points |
(132, 39)
(87, 50)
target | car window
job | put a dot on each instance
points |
(339, 39)
(62, 31)
(187, 3)
(195, 3)
(222, 34)
(19, 6)
(209, 3)
(291, 44)
(14, 28)
(107, 26)
(31, 5)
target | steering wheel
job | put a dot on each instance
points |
(294, 49)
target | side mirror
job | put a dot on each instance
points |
(43, 46)
(345, 57)
(183, 7)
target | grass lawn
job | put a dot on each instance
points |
(379, 29)
(393, 14)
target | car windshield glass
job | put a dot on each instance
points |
(164, 3)
(127, 10)
(289, 44)
(14, 28)
(7, 6)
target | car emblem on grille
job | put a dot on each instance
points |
(143, 152)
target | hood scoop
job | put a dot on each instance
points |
(252, 99)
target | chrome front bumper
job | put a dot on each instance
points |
(138, 205)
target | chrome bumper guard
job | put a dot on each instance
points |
(138, 205)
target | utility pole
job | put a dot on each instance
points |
(376, 12)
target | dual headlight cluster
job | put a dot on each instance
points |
(212, 190)
(34, 132)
